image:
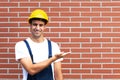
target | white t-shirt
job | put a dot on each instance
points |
(39, 51)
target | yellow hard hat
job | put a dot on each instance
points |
(38, 13)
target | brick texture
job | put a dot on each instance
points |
(90, 29)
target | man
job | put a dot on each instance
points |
(40, 58)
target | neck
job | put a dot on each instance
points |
(38, 40)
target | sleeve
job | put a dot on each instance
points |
(21, 50)
(55, 50)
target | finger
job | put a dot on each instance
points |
(66, 53)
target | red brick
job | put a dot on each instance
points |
(3, 19)
(90, 34)
(2, 50)
(91, 45)
(7, 4)
(15, 39)
(66, 60)
(3, 61)
(80, 50)
(111, 66)
(3, 0)
(69, 76)
(80, 19)
(8, 76)
(110, 14)
(90, 4)
(8, 15)
(116, 49)
(70, 4)
(53, 24)
(116, 71)
(60, 19)
(80, 39)
(101, 60)
(58, 40)
(60, 30)
(112, 4)
(81, 71)
(111, 55)
(3, 71)
(115, 9)
(18, 9)
(15, 71)
(27, 4)
(3, 55)
(113, 76)
(101, 39)
(8, 66)
(60, 9)
(80, 60)
(9, 25)
(19, 1)
(101, 19)
(116, 61)
(110, 45)
(66, 71)
(50, 4)
(8, 34)
(80, 9)
(116, 29)
(101, 9)
(3, 29)
(111, 34)
(18, 19)
(91, 76)
(90, 24)
(71, 65)
(3, 10)
(19, 30)
(91, 55)
(70, 35)
(90, 14)
(91, 65)
(80, 29)
(58, 0)
(101, 50)
(70, 45)
(101, 71)
(70, 24)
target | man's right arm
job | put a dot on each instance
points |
(35, 68)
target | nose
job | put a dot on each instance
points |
(37, 27)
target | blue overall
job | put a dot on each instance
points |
(45, 74)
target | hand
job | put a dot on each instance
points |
(61, 55)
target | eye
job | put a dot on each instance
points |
(40, 25)
(34, 24)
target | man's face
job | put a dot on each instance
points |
(37, 28)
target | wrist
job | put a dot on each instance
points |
(53, 58)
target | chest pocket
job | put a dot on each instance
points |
(45, 74)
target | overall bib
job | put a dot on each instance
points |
(45, 74)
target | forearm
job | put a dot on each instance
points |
(41, 65)
(58, 71)
(35, 68)
(59, 77)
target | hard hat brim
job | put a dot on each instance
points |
(40, 19)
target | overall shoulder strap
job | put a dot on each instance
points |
(49, 49)
(29, 49)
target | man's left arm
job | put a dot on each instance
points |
(58, 71)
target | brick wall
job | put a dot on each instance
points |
(90, 29)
